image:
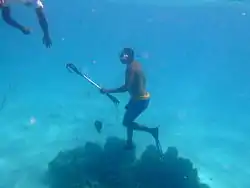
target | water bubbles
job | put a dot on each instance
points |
(145, 55)
(243, 13)
(32, 121)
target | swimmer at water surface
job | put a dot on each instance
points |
(135, 85)
(5, 6)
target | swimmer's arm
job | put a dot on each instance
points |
(121, 89)
(6, 15)
(42, 21)
(128, 81)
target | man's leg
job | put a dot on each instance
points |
(135, 126)
(130, 132)
(134, 109)
(138, 127)
(6, 15)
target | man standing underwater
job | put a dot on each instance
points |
(37, 4)
(135, 85)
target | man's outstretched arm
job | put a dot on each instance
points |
(128, 81)
(44, 26)
(121, 89)
(6, 15)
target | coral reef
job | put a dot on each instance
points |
(113, 167)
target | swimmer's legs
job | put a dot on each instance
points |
(130, 133)
(135, 126)
(133, 110)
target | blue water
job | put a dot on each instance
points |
(196, 58)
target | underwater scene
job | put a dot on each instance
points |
(124, 94)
